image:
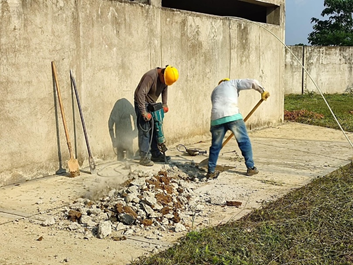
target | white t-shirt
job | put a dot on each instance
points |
(225, 96)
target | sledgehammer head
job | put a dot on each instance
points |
(265, 95)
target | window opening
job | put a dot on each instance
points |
(248, 9)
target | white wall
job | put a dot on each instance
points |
(109, 45)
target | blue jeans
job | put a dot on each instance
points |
(147, 140)
(241, 135)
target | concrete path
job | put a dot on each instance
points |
(288, 156)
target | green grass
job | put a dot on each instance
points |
(312, 109)
(310, 225)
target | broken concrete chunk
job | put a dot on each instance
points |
(129, 210)
(129, 232)
(233, 203)
(104, 229)
(157, 207)
(126, 218)
(74, 216)
(74, 226)
(165, 210)
(147, 222)
(147, 209)
(149, 198)
(218, 200)
(138, 182)
(179, 228)
(133, 189)
(120, 226)
(94, 211)
(49, 221)
(169, 216)
(87, 221)
(132, 197)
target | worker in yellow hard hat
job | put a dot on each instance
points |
(225, 116)
(222, 80)
(152, 84)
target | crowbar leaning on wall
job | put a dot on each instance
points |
(204, 162)
(74, 167)
(92, 164)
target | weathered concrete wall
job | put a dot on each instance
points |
(109, 45)
(326, 69)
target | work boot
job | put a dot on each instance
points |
(252, 171)
(160, 158)
(213, 175)
(146, 162)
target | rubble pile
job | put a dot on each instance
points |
(163, 202)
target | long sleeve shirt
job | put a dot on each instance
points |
(225, 99)
(149, 89)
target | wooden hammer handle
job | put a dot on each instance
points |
(246, 118)
(62, 110)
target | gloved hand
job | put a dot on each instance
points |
(147, 116)
(165, 109)
(265, 95)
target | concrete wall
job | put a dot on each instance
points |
(109, 45)
(314, 69)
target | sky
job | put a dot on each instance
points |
(298, 19)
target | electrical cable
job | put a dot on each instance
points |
(317, 87)
(105, 166)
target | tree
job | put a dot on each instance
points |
(337, 29)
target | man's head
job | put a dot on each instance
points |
(170, 75)
(222, 80)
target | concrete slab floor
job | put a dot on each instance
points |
(288, 156)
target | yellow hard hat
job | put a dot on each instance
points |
(224, 79)
(171, 75)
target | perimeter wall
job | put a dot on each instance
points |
(315, 69)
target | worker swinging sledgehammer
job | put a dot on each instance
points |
(225, 115)
(151, 141)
